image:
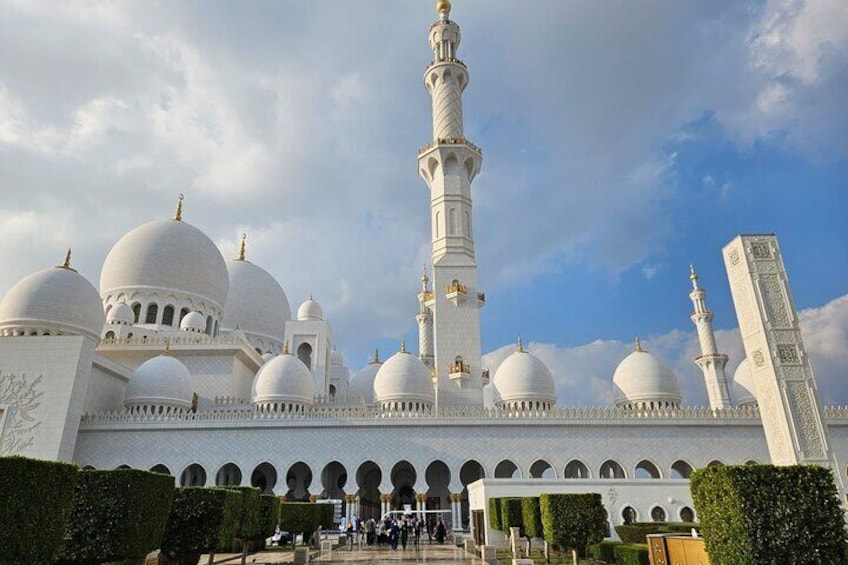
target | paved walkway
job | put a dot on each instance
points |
(433, 554)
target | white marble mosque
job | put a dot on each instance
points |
(187, 363)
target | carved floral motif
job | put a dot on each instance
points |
(20, 393)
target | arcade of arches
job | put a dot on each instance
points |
(371, 490)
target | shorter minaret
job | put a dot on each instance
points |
(425, 322)
(711, 362)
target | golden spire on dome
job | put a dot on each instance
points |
(638, 344)
(424, 277)
(167, 351)
(67, 263)
(693, 276)
(286, 348)
(241, 247)
(443, 6)
(402, 346)
(521, 346)
(376, 358)
(178, 216)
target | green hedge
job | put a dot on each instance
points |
(495, 513)
(603, 551)
(573, 521)
(631, 554)
(531, 516)
(269, 511)
(762, 514)
(201, 520)
(305, 517)
(35, 501)
(511, 516)
(116, 515)
(637, 531)
(250, 520)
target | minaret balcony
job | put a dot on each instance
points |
(427, 298)
(459, 371)
(456, 292)
(450, 141)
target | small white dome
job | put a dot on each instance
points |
(256, 303)
(58, 299)
(523, 377)
(121, 314)
(310, 310)
(743, 385)
(403, 378)
(641, 378)
(160, 381)
(166, 256)
(193, 322)
(362, 382)
(283, 380)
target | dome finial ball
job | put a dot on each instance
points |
(443, 6)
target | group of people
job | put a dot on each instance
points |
(393, 531)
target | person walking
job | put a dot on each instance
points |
(441, 532)
(394, 531)
(404, 533)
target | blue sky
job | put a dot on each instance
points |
(622, 140)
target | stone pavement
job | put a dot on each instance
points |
(433, 554)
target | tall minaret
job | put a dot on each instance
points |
(711, 362)
(425, 322)
(448, 164)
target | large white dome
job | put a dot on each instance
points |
(743, 385)
(54, 300)
(362, 382)
(641, 379)
(160, 381)
(283, 380)
(256, 303)
(523, 377)
(403, 378)
(166, 256)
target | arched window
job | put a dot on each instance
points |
(215, 329)
(436, 223)
(467, 226)
(304, 353)
(152, 312)
(629, 515)
(658, 514)
(332, 390)
(611, 470)
(136, 308)
(109, 335)
(168, 316)
(687, 514)
(681, 470)
(209, 325)
(183, 313)
(576, 469)
(452, 221)
(646, 470)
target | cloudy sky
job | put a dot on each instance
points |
(622, 140)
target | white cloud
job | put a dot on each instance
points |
(583, 373)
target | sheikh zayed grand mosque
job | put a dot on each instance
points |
(188, 363)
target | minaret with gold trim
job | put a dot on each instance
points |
(710, 361)
(448, 164)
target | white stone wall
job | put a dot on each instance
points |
(43, 383)
(107, 385)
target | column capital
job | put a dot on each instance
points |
(385, 498)
(314, 498)
(421, 497)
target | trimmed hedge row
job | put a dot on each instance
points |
(116, 515)
(531, 516)
(511, 516)
(305, 517)
(637, 531)
(269, 514)
(495, 513)
(194, 523)
(573, 521)
(617, 553)
(33, 523)
(762, 514)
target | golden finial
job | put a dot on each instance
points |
(167, 351)
(286, 348)
(424, 277)
(376, 355)
(67, 263)
(693, 276)
(241, 247)
(638, 344)
(443, 6)
(179, 215)
(402, 345)
(521, 345)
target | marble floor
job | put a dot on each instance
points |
(432, 554)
